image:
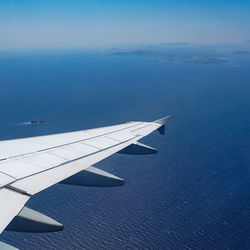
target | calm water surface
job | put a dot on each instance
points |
(194, 194)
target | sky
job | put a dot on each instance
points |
(48, 24)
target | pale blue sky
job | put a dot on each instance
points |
(46, 24)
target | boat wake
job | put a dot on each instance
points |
(22, 123)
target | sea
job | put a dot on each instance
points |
(193, 194)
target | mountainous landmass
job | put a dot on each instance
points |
(175, 58)
(184, 52)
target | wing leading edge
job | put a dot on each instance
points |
(30, 165)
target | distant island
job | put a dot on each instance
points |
(178, 58)
(186, 53)
(174, 58)
(242, 53)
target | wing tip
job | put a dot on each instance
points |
(162, 121)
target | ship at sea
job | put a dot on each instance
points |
(36, 121)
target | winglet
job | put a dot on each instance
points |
(162, 122)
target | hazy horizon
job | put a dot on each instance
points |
(98, 24)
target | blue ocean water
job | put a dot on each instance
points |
(194, 194)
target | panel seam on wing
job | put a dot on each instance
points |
(70, 143)
(8, 175)
(76, 159)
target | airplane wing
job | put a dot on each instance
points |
(30, 165)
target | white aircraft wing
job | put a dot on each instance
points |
(30, 165)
